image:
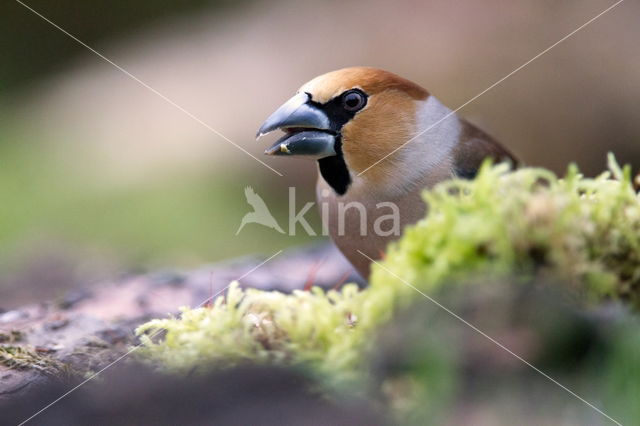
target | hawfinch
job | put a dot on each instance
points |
(366, 129)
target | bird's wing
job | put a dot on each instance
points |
(254, 199)
(474, 147)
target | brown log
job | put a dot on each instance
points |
(91, 327)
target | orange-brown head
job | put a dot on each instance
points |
(352, 118)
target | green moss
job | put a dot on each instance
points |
(524, 223)
(517, 224)
(23, 358)
(317, 328)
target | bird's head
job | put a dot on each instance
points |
(348, 120)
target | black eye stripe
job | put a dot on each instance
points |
(336, 111)
(334, 169)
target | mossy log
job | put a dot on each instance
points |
(90, 327)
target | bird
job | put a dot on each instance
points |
(379, 140)
(260, 213)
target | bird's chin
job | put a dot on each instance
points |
(303, 142)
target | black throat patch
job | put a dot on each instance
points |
(334, 170)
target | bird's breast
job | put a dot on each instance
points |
(363, 222)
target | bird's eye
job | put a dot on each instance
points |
(353, 100)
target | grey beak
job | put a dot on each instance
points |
(308, 131)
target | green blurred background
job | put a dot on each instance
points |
(100, 176)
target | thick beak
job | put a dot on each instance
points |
(307, 128)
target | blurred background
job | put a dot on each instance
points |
(100, 176)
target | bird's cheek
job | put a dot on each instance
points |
(355, 153)
(363, 145)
